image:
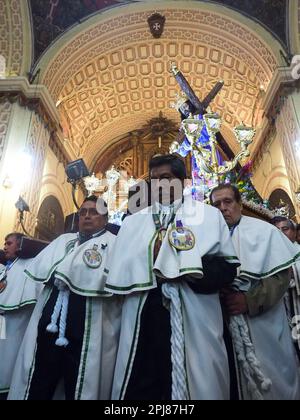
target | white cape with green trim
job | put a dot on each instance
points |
(20, 291)
(296, 277)
(102, 323)
(263, 250)
(78, 276)
(16, 305)
(44, 265)
(292, 301)
(132, 273)
(131, 265)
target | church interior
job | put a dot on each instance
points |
(92, 80)
(189, 110)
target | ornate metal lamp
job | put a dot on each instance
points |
(112, 177)
(207, 157)
(92, 184)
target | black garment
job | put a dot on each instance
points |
(234, 388)
(3, 397)
(2, 257)
(151, 377)
(112, 228)
(53, 363)
(217, 274)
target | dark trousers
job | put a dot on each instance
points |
(151, 377)
(53, 363)
(3, 397)
(234, 388)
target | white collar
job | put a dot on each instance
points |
(170, 208)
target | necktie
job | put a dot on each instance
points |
(161, 224)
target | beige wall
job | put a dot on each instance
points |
(279, 163)
(47, 175)
(54, 182)
(15, 142)
(271, 172)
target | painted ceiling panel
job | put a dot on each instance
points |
(53, 17)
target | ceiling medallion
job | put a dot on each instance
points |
(156, 23)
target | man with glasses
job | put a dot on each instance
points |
(73, 334)
(292, 298)
(180, 256)
(265, 356)
(18, 296)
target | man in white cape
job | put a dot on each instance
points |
(292, 298)
(180, 255)
(18, 295)
(267, 366)
(73, 334)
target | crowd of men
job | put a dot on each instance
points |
(187, 301)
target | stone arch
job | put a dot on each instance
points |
(279, 195)
(108, 75)
(276, 178)
(51, 186)
(50, 219)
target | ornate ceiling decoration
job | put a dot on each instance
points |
(137, 147)
(52, 19)
(113, 76)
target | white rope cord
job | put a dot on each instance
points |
(247, 359)
(179, 379)
(60, 308)
(62, 341)
(52, 327)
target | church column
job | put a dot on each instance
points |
(288, 129)
(22, 167)
(25, 130)
(282, 116)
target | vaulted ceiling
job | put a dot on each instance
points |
(54, 17)
(108, 76)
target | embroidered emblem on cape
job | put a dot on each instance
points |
(181, 238)
(92, 257)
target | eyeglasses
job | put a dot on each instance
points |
(91, 212)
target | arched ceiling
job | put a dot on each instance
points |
(54, 17)
(109, 76)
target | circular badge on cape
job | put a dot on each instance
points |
(3, 284)
(92, 257)
(182, 238)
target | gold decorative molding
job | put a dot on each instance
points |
(20, 86)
